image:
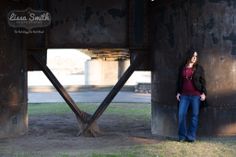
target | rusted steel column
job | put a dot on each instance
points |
(13, 79)
(208, 26)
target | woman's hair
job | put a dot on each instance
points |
(189, 56)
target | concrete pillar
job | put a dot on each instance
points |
(100, 72)
(13, 82)
(208, 26)
(122, 66)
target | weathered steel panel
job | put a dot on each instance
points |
(36, 43)
(138, 24)
(88, 24)
(13, 74)
(94, 24)
(139, 32)
(208, 26)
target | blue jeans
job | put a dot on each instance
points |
(190, 132)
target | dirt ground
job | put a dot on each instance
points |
(50, 135)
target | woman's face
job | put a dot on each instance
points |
(194, 58)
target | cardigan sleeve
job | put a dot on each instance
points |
(203, 81)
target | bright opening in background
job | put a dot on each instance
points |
(72, 67)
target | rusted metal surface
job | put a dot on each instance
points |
(173, 26)
(82, 24)
(13, 74)
(88, 24)
(105, 103)
(138, 24)
(36, 43)
(59, 88)
(208, 26)
(102, 26)
(139, 32)
(82, 117)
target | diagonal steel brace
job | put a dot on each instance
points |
(80, 114)
(136, 62)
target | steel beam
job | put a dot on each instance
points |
(136, 62)
(80, 114)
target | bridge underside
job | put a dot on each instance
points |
(154, 35)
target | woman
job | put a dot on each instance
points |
(190, 92)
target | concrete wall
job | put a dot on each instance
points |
(208, 26)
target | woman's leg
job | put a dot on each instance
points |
(195, 105)
(183, 108)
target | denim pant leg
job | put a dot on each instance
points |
(183, 108)
(195, 105)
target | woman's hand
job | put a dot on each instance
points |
(178, 97)
(202, 97)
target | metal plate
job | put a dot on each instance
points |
(88, 24)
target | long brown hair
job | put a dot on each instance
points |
(189, 56)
